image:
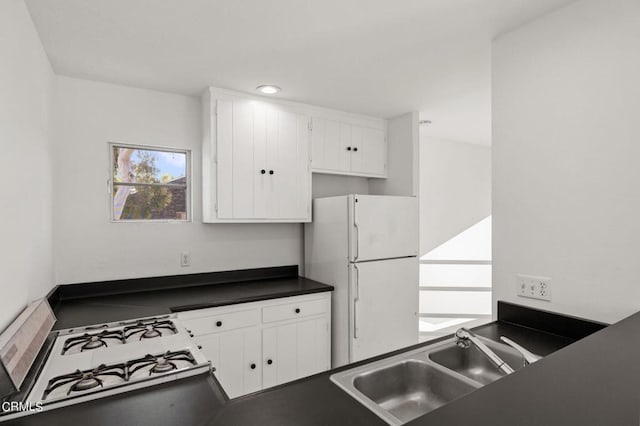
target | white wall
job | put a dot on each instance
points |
(455, 189)
(89, 247)
(331, 185)
(566, 145)
(403, 158)
(26, 206)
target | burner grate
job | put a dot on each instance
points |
(103, 376)
(92, 341)
(149, 330)
(160, 363)
(84, 380)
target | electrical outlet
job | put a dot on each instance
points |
(185, 259)
(533, 287)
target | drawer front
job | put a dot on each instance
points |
(294, 310)
(222, 322)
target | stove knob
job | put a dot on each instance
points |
(219, 324)
(253, 366)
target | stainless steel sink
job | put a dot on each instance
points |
(472, 363)
(403, 387)
(410, 388)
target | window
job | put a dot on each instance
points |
(149, 183)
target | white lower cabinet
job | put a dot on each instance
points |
(261, 344)
(236, 356)
(294, 350)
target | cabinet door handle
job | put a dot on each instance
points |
(218, 323)
(199, 347)
(253, 366)
(348, 148)
(270, 172)
(297, 310)
(269, 361)
(263, 171)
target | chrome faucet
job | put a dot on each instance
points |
(529, 357)
(465, 338)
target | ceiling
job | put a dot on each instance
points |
(375, 57)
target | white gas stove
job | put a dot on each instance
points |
(97, 361)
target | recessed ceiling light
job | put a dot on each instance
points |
(268, 89)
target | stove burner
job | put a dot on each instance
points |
(150, 333)
(160, 363)
(162, 366)
(85, 380)
(92, 341)
(150, 330)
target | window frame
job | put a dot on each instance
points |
(188, 186)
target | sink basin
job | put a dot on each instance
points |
(403, 387)
(472, 363)
(410, 388)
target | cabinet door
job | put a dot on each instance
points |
(289, 165)
(265, 197)
(369, 151)
(236, 163)
(295, 350)
(330, 140)
(236, 357)
(374, 149)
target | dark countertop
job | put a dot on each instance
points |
(317, 401)
(192, 400)
(311, 401)
(593, 380)
(116, 307)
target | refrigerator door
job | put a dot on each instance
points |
(384, 306)
(382, 227)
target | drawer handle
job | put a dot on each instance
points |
(218, 323)
(297, 310)
(348, 148)
(270, 172)
(355, 149)
(253, 366)
(269, 361)
(263, 171)
(199, 347)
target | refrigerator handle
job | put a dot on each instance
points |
(356, 297)
(357, 231)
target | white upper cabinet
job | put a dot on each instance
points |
(340, 147)
(258, 155)
(256, 161)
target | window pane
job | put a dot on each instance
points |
(136, 202)
(136, 165)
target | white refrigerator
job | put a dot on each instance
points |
(366, 246)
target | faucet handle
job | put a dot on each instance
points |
(528, 356)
